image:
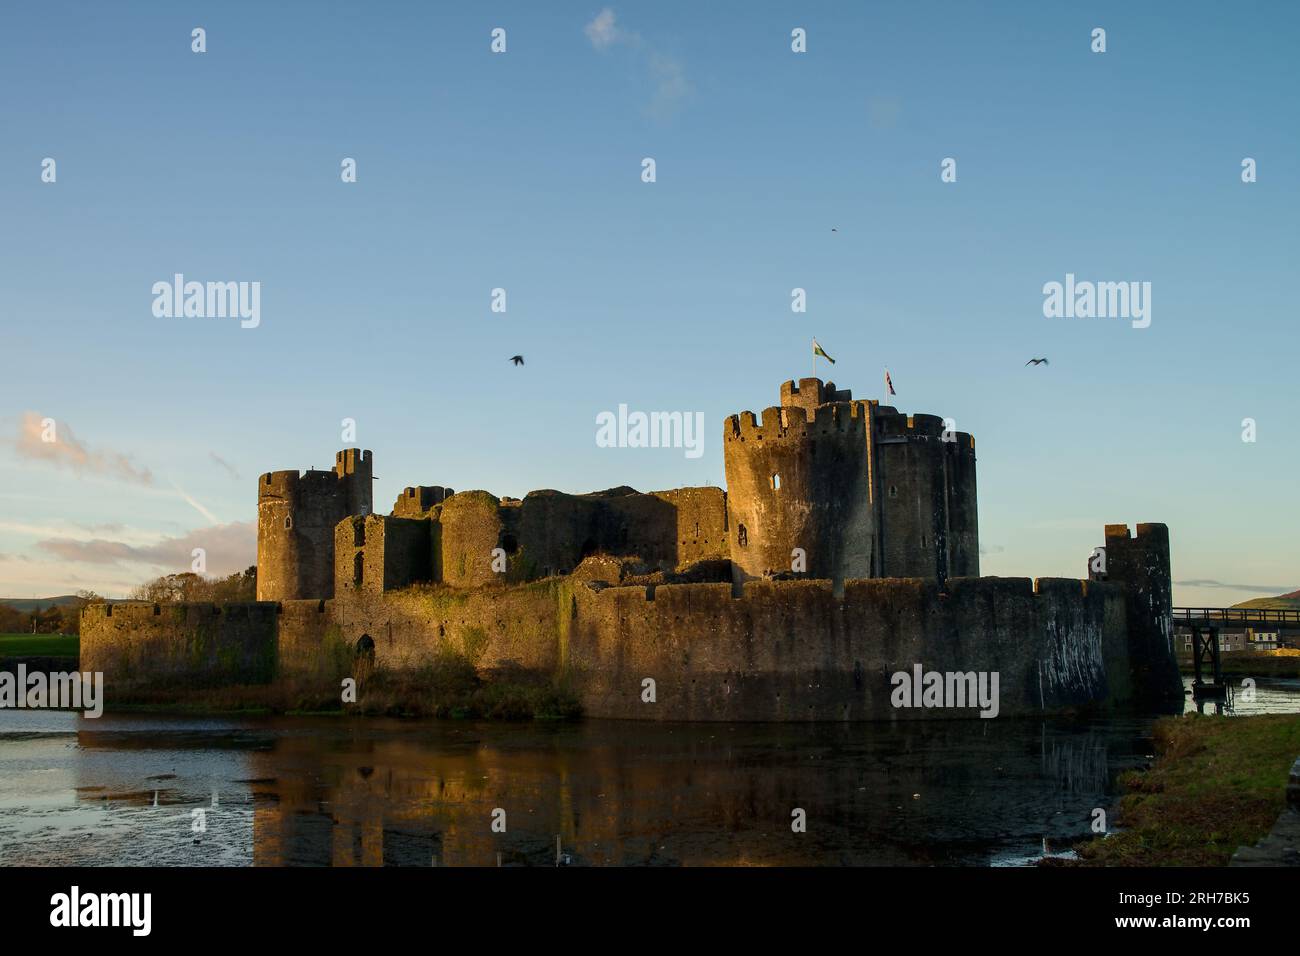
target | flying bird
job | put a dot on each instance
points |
(1041, 361)
(517, 359)
(833, 229)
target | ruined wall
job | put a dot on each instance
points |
(470, 526)
(139, 645)
(420, 501)
(701, 524)
(378, 553)
(551, 533)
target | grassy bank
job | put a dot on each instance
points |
(1218, 783)
(39, 645)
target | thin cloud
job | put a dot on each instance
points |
(43, 439)
(230, 469)
(666, 73)
(602, 31)
(227, 548)
(195, 504)
(1254, 588)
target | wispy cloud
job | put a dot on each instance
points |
(194, 503)
(602, 31)
(44, 439)
(1254, 588)
(228, 548)
(230, 469)
(665, 73)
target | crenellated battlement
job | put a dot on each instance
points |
(788, 423)
(278, 484)
(351, 461)
(811, 392)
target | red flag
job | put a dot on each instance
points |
(889, 385)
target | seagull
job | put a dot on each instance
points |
(1041, 361)
(517, 359)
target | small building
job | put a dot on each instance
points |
(1263, 639)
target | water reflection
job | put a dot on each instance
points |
(343, 792)
(1247, 696)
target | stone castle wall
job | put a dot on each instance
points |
(783, 650)
(170, 646)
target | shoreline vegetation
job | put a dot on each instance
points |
(448, 695)
(1218, 783)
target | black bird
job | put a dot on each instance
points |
(1041, 361)
(517, 359)
(833, 229)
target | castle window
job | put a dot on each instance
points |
(893, 491)
(923, 541)
(288, 521)
(742, 536)
(358, 568)
(776, 482)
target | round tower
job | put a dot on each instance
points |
(798, 478)
(296, 517)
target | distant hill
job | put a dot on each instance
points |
(33, 604)
(1283, 602)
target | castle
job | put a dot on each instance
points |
(844, 550)
(819, 487)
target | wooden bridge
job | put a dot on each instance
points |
(1259, 618)
(1205, 624)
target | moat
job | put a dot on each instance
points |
(329, 790)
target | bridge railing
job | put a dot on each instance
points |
(1236, 615)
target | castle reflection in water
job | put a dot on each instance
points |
(622, 794)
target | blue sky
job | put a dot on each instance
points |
(522, 171)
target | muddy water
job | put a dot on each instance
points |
(183, 791)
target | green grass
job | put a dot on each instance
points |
(1218, 783)
(39, 645)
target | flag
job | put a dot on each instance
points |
(818, 350)
(889, 385)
